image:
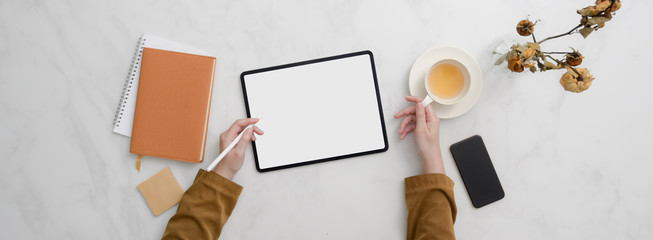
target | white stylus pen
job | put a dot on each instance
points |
(232, 144)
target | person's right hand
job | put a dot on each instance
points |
(233, 161)
(426, 125)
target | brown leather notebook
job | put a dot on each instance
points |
(172, 105)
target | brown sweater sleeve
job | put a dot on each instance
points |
(431, 207)
(204, 208)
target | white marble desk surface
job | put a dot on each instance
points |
(574, 166)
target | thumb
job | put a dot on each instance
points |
(242, 143)
(421, 117)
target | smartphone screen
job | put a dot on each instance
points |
(477, 171)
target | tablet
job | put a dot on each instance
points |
(315, 111)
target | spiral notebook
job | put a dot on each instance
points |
(124, 118)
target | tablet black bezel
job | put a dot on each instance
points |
(378, 99)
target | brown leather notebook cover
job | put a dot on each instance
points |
(172, 105)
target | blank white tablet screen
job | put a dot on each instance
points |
(315, 111)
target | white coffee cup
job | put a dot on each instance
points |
(430, 96)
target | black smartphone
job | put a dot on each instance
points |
(477, 171)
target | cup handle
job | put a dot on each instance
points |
(427, 100)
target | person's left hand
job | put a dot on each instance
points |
(426, 127)
(233, 161)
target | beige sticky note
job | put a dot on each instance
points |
(161, 191)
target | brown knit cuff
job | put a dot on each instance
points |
(427, 181)
(219, 182)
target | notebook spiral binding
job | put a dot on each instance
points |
(135, 64)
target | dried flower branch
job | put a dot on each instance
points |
(530, 56)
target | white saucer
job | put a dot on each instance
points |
(432, 56)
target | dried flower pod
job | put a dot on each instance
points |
(615, 5)
(515, 64)
(525, 27)
(572, 82)
(530, 65)
(574, 58)
(528, 53)
(601, 6)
